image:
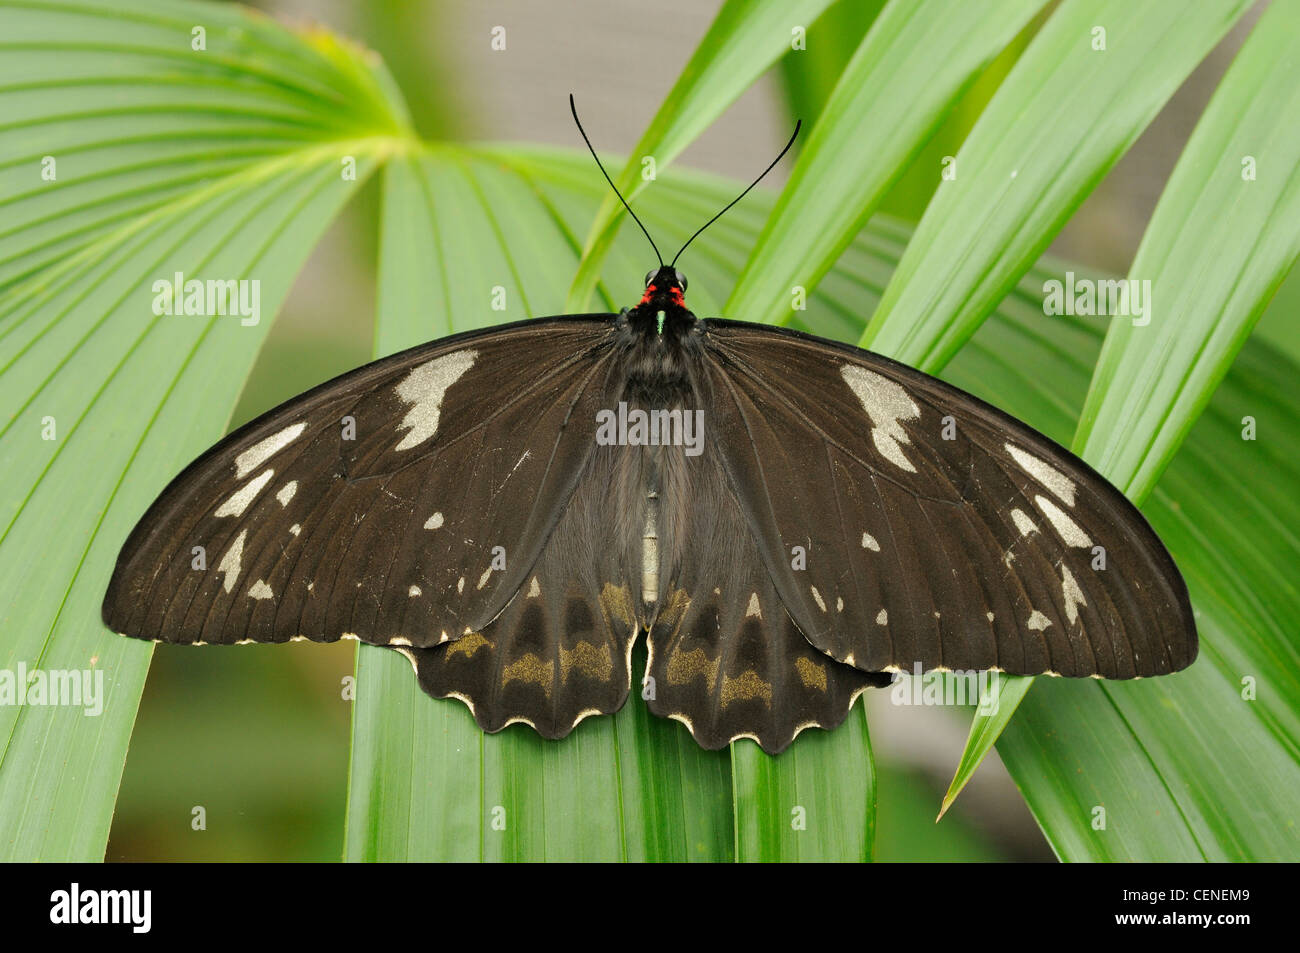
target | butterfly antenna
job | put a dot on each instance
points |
(793, 136)
(574, 108)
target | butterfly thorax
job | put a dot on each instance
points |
(661, 342)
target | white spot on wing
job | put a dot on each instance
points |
(1023, 522)
(882, 617)
(263, 450)
(260, 590)
(886, 403)
(534, 588)
(434, 521)
(753, 611)
(286, 492)
(296, 528)
(399, 640)
(817, 598)
(869, 542)
(1044, 473)
(231, 562)
(239, 500)
(1037, 621)
(414, 591)
(1072, 594)
(482, 580)
(424, 389)
(1067, 528)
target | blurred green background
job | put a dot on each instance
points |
(259, 735)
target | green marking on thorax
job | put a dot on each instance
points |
(661, 322)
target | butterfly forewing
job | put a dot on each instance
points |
(403, 502)
(904, 522)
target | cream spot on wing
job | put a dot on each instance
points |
(311, 586)
(989, 616)
(434, 521)
(1023, 522)
(482, 580)
(1072, 594)
(886, 403)
(882, 617)
(286, 492)
(264, 449)
(460, 584)
(869, 542)
(1067, 528)
(260, 590)
(1044, 473)
(296, 528)
(239, 500)
(849, 659)
(399, 640)
(753, 611)
(414, 591)
(424, 389)
(534, 588)
(839, 604)
(1037, 621)
(231, 562)
(817, 598)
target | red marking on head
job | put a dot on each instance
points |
(678, 298)
(649, 290)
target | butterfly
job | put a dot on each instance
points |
(786, 520)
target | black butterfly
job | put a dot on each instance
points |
(789, 520)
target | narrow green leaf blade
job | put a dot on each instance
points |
(906, 75)
(1238, 180)
(1063, 116)
(1004, 695)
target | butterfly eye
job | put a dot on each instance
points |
(650, 276)
(681, 279)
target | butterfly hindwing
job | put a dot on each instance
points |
(725, 657)
(402, 502)
(906, 522)
(560, 651)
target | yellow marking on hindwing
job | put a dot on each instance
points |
(467, 645)
(811, 674)
(617, 603)
(747, 686)
(686, 666)
(529, 668)
(590, 659)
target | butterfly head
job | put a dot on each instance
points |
(664, 287)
